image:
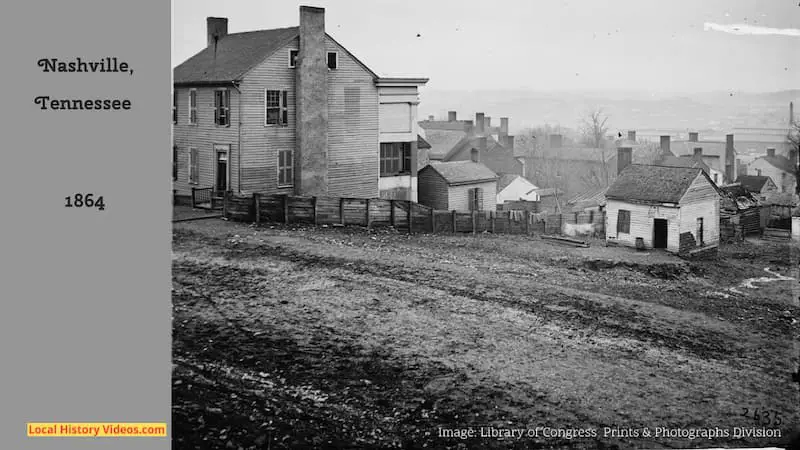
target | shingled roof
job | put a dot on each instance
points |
(643, 183)
(463, 172)
(753, 183)
(234, 55)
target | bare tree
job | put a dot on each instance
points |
(594, 126)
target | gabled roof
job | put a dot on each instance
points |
(442, 141)
(505, 180)
(468, 143)
(643, 183)
(462, 172)
(687, 161)
(753, 183)
(780, 162)
(236, 54)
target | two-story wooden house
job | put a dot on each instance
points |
(291, 111)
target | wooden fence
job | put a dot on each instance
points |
(400, 214)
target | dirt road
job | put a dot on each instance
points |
(342, 338)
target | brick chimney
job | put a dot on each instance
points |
(510, 142)
(624, 158)
(632, 135)
(665, 145)
(730, 158)
(504, 125)
(771, 151)
(693, 136)
(475, 155)
(216, 29)
(555, 141)
(480, 123)
(311, 161)
(451, 116)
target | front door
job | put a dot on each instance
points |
(222, 171)
(659, 233)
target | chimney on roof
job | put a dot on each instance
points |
(475, 155)
(510, 142)
(451, 116)
(693, 136)
(311, 75)
(430, 118)
(698, 152)
(730, 156)
(624, 158)
(770, 151)
(480, 123)
(216, 29)
(665, 145)
(504, 125)
(555, 141)
(632, 135)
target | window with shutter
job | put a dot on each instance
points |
(175, 106)
(478, 199)
(193, 106)
(221, 107)
(623, 221)
(471, 199)
(174, 163)
(285, 168)
(276, 108)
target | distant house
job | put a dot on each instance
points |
(291, 111)
(760, 185)
(454, 140)
(458, 185)
(777, 167)
(719, 156)
(740, 211)
(512, 187)
(673, 208)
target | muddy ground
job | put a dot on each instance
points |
(293, 337)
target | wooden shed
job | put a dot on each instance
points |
(458, 185)
(674, 208)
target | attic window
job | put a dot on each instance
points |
(333, 60)
(293, 58)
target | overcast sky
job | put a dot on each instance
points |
(660, 46)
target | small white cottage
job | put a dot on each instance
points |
(674, 208)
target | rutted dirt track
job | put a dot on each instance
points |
(351, 339)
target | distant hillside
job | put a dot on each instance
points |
(709, 110)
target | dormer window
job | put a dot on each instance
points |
(333, 60)
(293, 58)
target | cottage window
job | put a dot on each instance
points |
(700, 230)
(476, 199)
(285, 168)
(333, 60)
(395, 158)
(193, 106)
(624, 221)
(174, 106)
(174, 163)
(276, 111)
(194, 166)
(222, 107)
(293, 58)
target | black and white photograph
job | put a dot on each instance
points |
(561, 224)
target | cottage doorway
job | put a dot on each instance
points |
(222, 171)
(659, 233)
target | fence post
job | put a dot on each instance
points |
(493, 219)
(225, 204)
(527, 222)
(510, 230)
(367, 212)
(341, 209)
(433, 221)
(474, 221)
(314, 209)
(257, 206)
(410, 217)
(286, 209)
(453, 214)
(391, 213)
(193, 200)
